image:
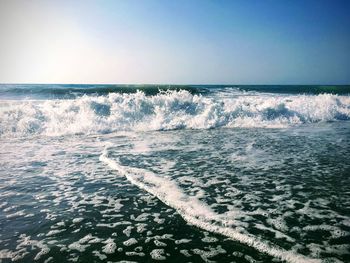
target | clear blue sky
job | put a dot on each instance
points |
(237, 42)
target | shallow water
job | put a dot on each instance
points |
(77, 188)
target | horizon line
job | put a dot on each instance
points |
(173, 84)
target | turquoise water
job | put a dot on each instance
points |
(189, 174)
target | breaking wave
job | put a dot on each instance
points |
(165, 111)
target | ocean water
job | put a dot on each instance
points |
(109, 173)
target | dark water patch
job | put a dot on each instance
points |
(65, 91)
(71, 91)
(298, 89)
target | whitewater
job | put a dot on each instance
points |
(166, 111)
(176, 173)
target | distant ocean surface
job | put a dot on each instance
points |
(201, 173)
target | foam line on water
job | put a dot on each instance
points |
(194, 211)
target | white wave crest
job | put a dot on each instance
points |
(196, 212)
(166, 111)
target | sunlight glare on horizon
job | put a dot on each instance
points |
(246, 42)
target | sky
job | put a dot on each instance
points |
(175, 42)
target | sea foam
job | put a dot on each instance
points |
(165, 111)
(194, 211)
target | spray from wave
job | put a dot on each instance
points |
(165, 111)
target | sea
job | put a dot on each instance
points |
(191, 173)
